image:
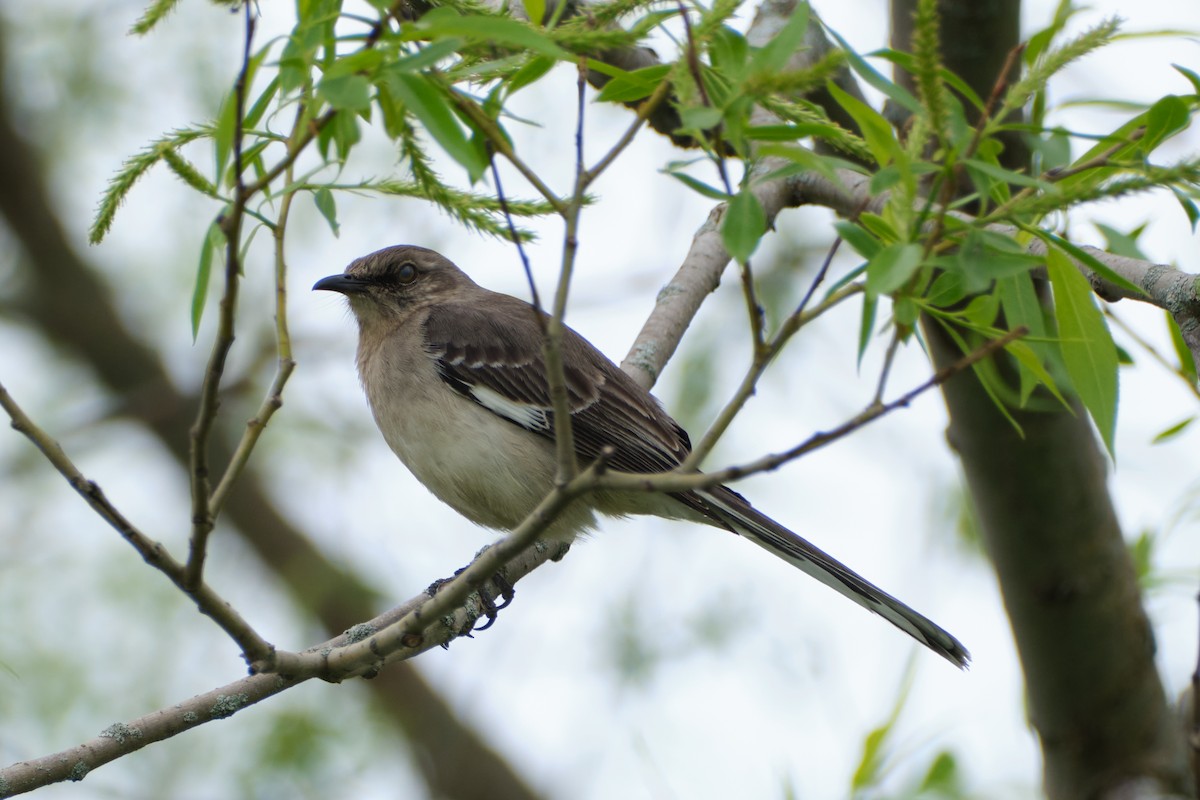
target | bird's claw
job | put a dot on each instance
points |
(491, 608)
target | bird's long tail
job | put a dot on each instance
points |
(733, 511)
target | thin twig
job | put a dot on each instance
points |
(759, 363)
(418, 625)
(254, 647)
(989, 108)
(516, 239)
(819, 278)
(285, 364)
(487, 126)
(681, 480)
(886, 370)
(564, 439)
(231, 226)
(1101, 159)
(643, 113)
(754, 309)
(220, 703)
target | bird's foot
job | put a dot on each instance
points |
(491, 609)
(499, 588)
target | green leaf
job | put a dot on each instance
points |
(857, 237)
(226, 129)
(981, 311)
(743, 225)
(213, 242)
(880, 228)
(1189, 208)
(346, 92)
(534, 69)
(1053, 148)
(944, 777)
(444, 22)
(1008, 176)
(1165, 118)
(1120, 243)
(699, 118)
(947, 289)
(892, 267)
(1141, 555)
(1174, 430)
(427, 56)
(323, 199)
(1086, 344)
(872, 765)
(1089, 260)
(792, 132)
(728, 50)
(995, 387)
(262, 103)
(1187, 363)
(896, 93)
(1019, 301)
(342, 132)
(985, 256)
(866, 325)
(535, 10)
(426, 100)
(315, 27)
(156, 12)
(703, 188)
(774, 55)
(805, 160)
(875, 129)
(1031, 363)
(635, 85)
(1192, 77)
(363, 62)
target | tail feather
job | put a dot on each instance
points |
(730, 509)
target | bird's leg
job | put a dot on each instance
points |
(491, 609)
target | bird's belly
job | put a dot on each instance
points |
(489, 470)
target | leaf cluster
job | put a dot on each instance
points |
(443, 80)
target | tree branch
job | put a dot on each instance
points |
(400, 633)
(424, 621)
(254, 647)
(206, 414)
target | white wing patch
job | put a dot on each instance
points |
(532, 418)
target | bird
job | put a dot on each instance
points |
(455, 378)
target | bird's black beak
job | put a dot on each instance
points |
(345, 284)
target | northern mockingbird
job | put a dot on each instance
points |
(455, 378)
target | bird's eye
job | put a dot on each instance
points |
(407, 273)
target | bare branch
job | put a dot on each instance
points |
(273, 400)
(231, 226)
(426, 622)
(254, 647)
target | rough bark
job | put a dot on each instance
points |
(1085, 643)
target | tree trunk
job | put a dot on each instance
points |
(1084, 641)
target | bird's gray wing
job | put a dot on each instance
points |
(493, 355)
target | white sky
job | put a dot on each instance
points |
(802, 676)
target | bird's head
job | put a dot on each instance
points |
(389, 284)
